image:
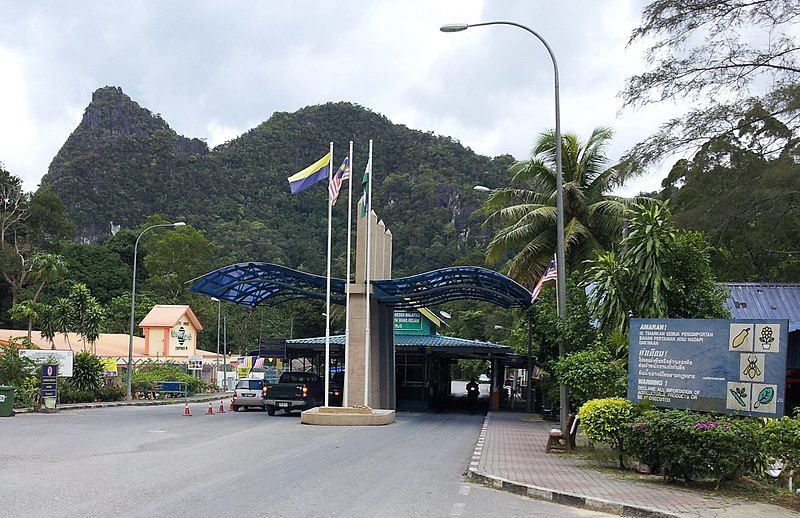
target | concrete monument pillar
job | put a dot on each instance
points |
(381, 369)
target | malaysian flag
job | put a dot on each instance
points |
(550, 275)
(259, 364)
(335, 183)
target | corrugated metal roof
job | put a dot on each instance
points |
(764, 300)
(401, 341)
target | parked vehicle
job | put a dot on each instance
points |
(249, 392)
(295, 390)
(336, 389)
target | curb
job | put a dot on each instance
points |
(109, 404)
(552, 495)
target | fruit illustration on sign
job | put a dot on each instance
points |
(739, 339)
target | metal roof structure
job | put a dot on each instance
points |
(255, 284)
(764, 301)
(455, 283)
(436, 343)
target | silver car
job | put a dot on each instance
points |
(249, 393)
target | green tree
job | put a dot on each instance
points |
(526, 210)
(657, 272)
(174, 258)
(26, 311)
(44, 268)
(747, 49)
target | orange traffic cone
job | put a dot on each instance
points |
(230, 406)
(221, 408)
(186, 412)
(210, 410)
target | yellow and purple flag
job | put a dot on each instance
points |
(312, 174)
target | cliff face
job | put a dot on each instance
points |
(123, 163)
(110, 167)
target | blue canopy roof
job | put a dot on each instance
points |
(455, 283)
(254, 284)
(406, 343)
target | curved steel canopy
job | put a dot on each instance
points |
(455, 283)
(254, 284)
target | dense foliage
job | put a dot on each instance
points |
(591, 374)
(692, 446)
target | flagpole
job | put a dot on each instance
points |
(368, 203)
(328, 286)
(347, 285)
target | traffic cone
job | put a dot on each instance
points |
(230, 406)
(186, 412)
(221, 408)
(210, 410)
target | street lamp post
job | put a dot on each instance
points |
(219, 320)
(561, 266)
(133, 298)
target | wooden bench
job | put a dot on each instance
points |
(563, 440)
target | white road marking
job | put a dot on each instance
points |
(157, 431)
(464, 491)
(457, 509)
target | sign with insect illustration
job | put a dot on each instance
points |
(714, 365)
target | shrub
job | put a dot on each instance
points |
(87, 372)
(112, 393)
(145, 377)
(591, 374)
(607, 421)
(70, 394)
(780, 439)
(691, 446)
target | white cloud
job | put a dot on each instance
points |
(214, 70)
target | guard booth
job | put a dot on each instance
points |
(423, 357)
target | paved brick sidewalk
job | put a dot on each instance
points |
(510, 454)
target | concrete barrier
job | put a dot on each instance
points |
(347, 416)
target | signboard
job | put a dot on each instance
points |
(109, 366)
(49, 380)
(243, 366)
(195, 362)
(64, 358)
(407, 321)
(715, 365)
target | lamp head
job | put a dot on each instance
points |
(215, 299)
(179, 224)
(454, 27)
(481, 188)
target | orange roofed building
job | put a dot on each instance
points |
(170, 334)
(170, 331)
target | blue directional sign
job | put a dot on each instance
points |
(715, 365)
(49, 380)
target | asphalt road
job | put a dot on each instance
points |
(152, 461)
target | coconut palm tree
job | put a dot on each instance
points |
(526, 210)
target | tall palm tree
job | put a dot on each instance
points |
(526, 210)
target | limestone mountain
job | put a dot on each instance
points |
(124, 163)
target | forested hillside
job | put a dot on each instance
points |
(124, 163)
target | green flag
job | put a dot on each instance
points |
(363, 202)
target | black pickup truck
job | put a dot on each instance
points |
(295, 390)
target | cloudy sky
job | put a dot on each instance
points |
(215, 69)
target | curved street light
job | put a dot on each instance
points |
(560, 264)
(133, 298)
